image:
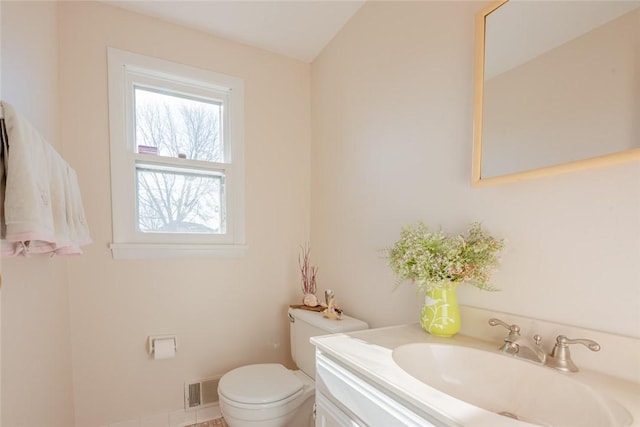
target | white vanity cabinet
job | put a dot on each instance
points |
(360, 382)
(346, 399)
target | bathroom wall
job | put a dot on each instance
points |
(225, 311)
(36, 344)
(391, 145)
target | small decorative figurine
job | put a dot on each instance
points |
(332, 311)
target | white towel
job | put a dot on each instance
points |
(78, 231)
(42, 205)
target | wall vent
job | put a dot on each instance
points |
(202, 391)
(193, 396)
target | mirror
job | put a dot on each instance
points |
(557, 88)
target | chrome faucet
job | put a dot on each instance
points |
(560, 357)
(518, 346)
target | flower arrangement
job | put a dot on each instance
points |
(434, 260)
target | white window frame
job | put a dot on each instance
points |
(127, 69)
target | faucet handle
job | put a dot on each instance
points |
(563, 341)
(513, 329)
(560, 357)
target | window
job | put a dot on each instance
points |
(176, 158)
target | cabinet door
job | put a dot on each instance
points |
(329, 415)
(362, 401)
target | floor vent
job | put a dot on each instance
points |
(201, 392)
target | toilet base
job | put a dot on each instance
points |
(301, 417)
(304, 415)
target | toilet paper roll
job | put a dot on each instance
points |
(164, 348)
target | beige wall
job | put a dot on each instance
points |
(36, 346)
(225, 312)
(391, 145)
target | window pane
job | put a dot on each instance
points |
(176, 126)
(177, 202)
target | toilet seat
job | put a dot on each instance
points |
(260, 386)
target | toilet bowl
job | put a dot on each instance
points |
(269, 394)
(266, 395)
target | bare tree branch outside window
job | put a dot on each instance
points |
(179, 200)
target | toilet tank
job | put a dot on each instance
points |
(306, 324)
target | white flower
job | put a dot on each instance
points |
(434, 260)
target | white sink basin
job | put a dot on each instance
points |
(509, 386)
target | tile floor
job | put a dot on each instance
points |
(219, 422)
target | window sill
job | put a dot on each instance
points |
(169, 250)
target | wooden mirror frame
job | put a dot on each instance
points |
(477, 180)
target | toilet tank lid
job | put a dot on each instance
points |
(332, 326)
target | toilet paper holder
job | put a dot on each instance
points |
(151, 342)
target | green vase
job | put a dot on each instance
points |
(440, 315)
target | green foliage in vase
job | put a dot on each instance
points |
(432, 259)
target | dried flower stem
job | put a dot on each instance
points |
(307, 271)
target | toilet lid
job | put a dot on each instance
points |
(262, 383)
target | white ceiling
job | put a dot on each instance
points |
(296, 28)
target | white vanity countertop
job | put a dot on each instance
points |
(369, 353)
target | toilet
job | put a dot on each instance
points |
(269, 394)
